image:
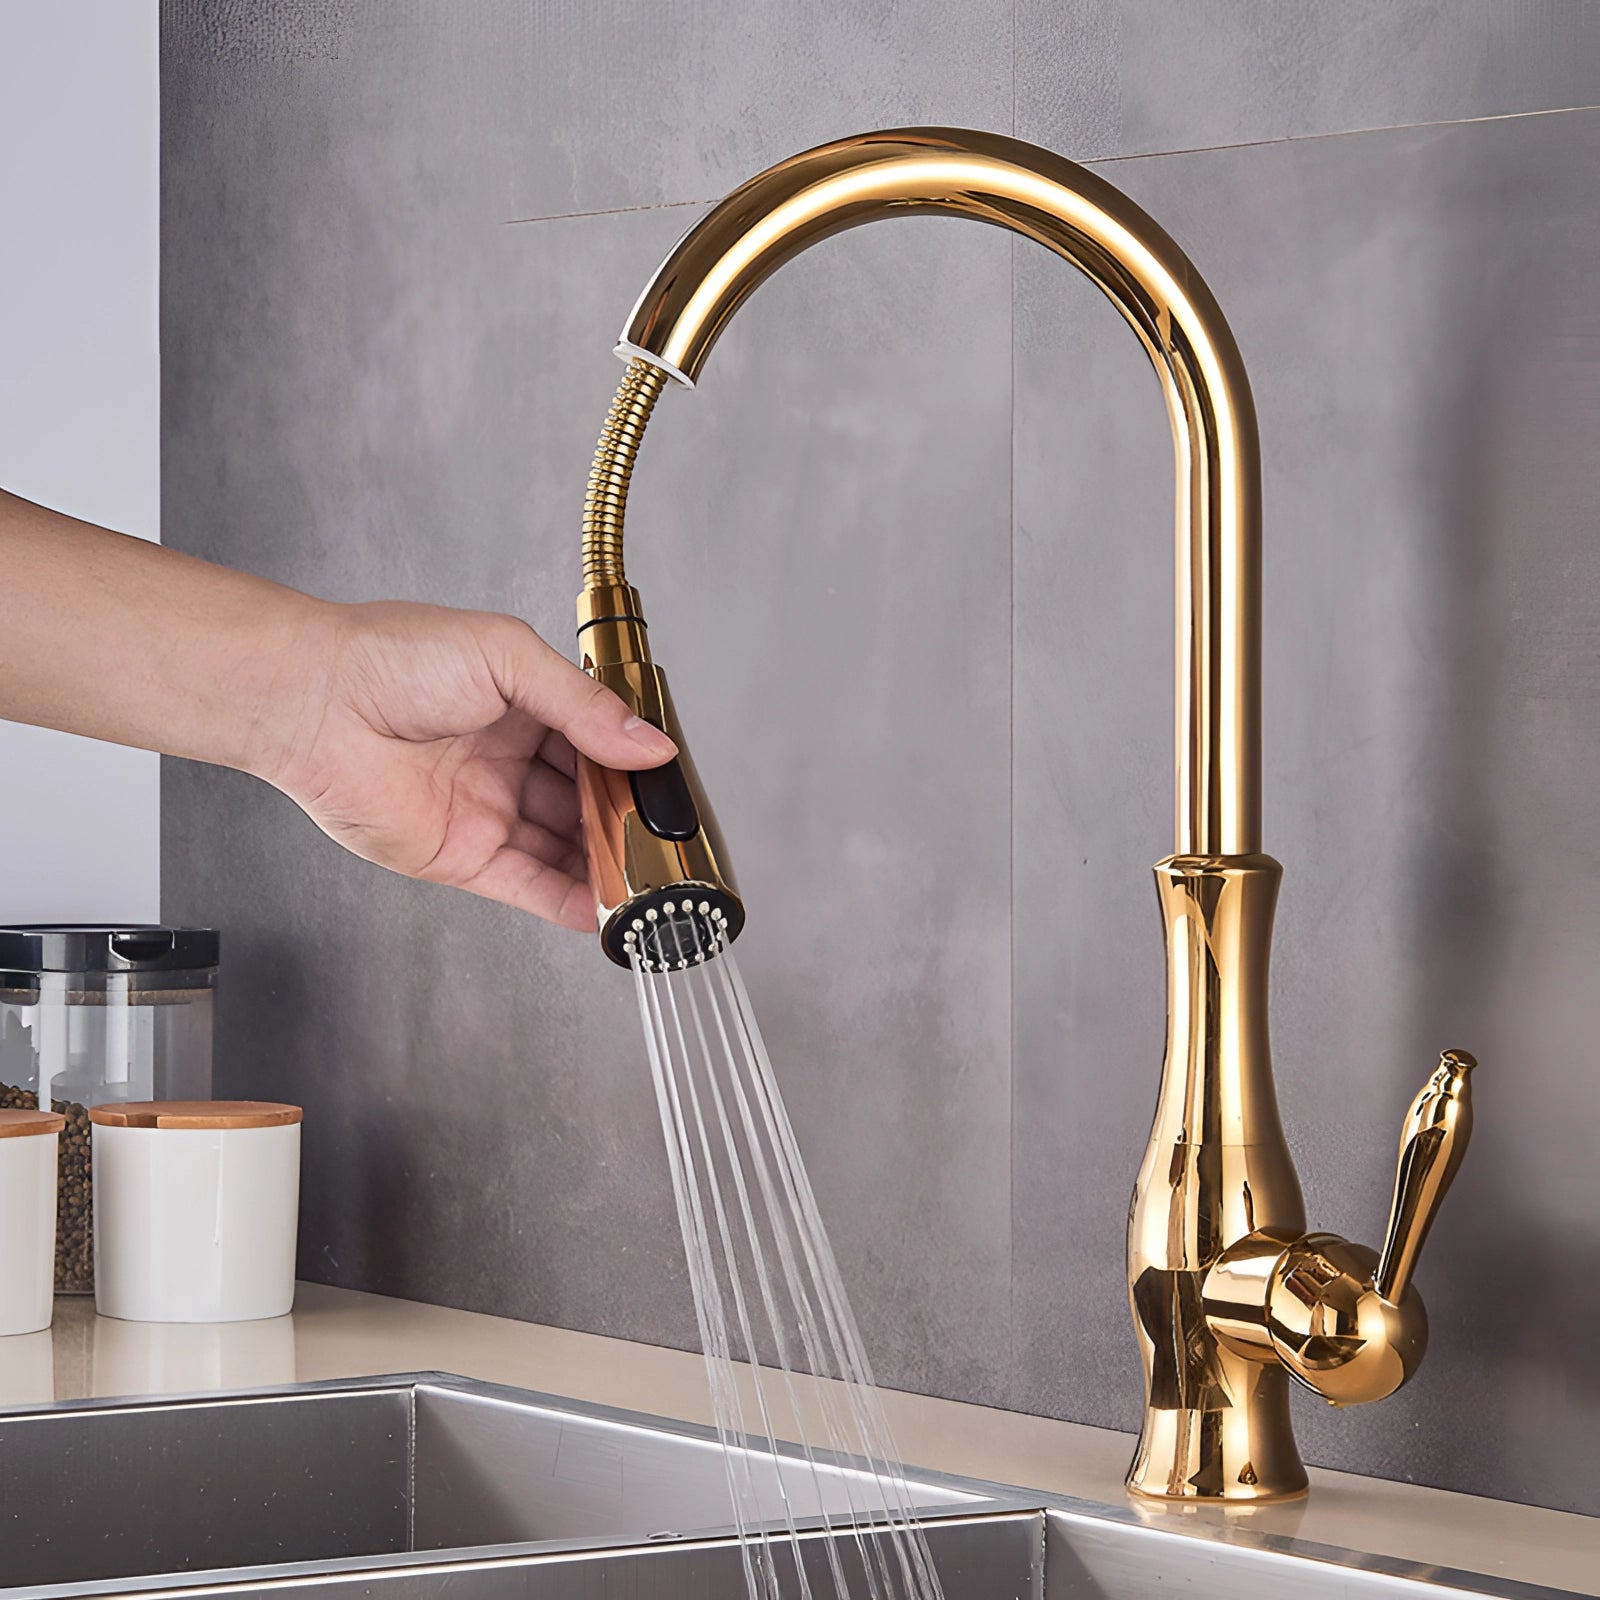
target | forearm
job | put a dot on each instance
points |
(119, 639)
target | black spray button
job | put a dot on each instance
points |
(665, 802)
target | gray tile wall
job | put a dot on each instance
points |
(398, 241)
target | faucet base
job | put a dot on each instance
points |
(1235, 1448)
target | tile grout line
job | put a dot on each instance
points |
(604, 211)
(1108, 160)
(1332, 133)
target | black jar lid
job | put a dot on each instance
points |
(114, 947)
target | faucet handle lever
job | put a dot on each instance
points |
(1433, 1140)
(1342, 1320)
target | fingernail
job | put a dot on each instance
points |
(649, 738)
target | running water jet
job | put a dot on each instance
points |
(749, 1218)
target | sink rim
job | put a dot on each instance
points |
(981, 1500)
(975, 1503)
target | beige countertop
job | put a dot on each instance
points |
(335, 1333)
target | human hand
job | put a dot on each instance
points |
(439, 743)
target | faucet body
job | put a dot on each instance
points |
(1231, 1298)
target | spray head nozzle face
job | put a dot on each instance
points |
(667, 934)
(657, 864)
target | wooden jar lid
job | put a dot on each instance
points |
(194, 1114)
(19, 1124)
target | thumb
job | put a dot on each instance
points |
(541, 681)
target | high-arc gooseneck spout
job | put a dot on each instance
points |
(1069, 210)
(1231, 1297)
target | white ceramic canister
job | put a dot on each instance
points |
(195, 1208)
(28, 1141)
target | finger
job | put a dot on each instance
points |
(556, 749)
(542, 682)
(514, 736)
(578, 909)
(551, 799)
(516, 879)
(553, 849)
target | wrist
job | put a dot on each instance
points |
(285, 690)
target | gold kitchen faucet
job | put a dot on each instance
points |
(1231, 1296)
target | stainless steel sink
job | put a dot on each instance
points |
(422, 1486)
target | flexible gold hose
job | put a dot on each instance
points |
(606, 502)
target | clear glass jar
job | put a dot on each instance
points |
(96, 1014)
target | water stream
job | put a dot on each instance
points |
(769, 1300)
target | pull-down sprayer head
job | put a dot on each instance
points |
(656, 858)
